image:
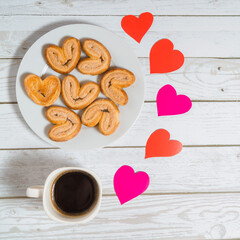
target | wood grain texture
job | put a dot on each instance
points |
(102, 7)
(199, 78)
(8, 73)
(194, 36)
(204, 77)
(208, 123)
(196, 169)
(199, 216)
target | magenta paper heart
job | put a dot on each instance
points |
(128, 184)
(169, 103)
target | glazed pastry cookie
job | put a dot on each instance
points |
(112, 83)
(67, 124)
(65, 59)
(76, 97)
(99, 58)
(43, 92)
(102, 111)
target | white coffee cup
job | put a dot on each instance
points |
(45, 192)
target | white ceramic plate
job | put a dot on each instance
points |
(34, 62)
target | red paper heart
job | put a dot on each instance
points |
(137, 27)
(159, 145)
(163, 58)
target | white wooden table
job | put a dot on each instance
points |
(194, 195)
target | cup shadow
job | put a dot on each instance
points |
(31, 167)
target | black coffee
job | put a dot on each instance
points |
(74, 192)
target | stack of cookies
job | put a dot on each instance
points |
(101, 112)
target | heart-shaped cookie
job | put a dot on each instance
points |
(102, 111)
(128, 184)
(65, 59)
(136, 27)
(43, 92)
(67, 123)
(112, 83)
(163, 58)
(99, 58)
(76, 96)
(160, 145)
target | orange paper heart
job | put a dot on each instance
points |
(160, 145)
(163, 58)
(136, 27)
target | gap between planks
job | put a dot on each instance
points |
(53, 148)
(145, 194)
(222, 58)
(109, 15)
(203, 101)
(197, 101)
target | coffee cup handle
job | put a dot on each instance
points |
(35, 191)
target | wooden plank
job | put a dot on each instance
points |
(101, 7)
(198, 216)
(209, 123)
(8, 73)
(199, 78)
(194, 36)
(196, 169)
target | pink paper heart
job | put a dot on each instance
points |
(169, 103)
(128, 184)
